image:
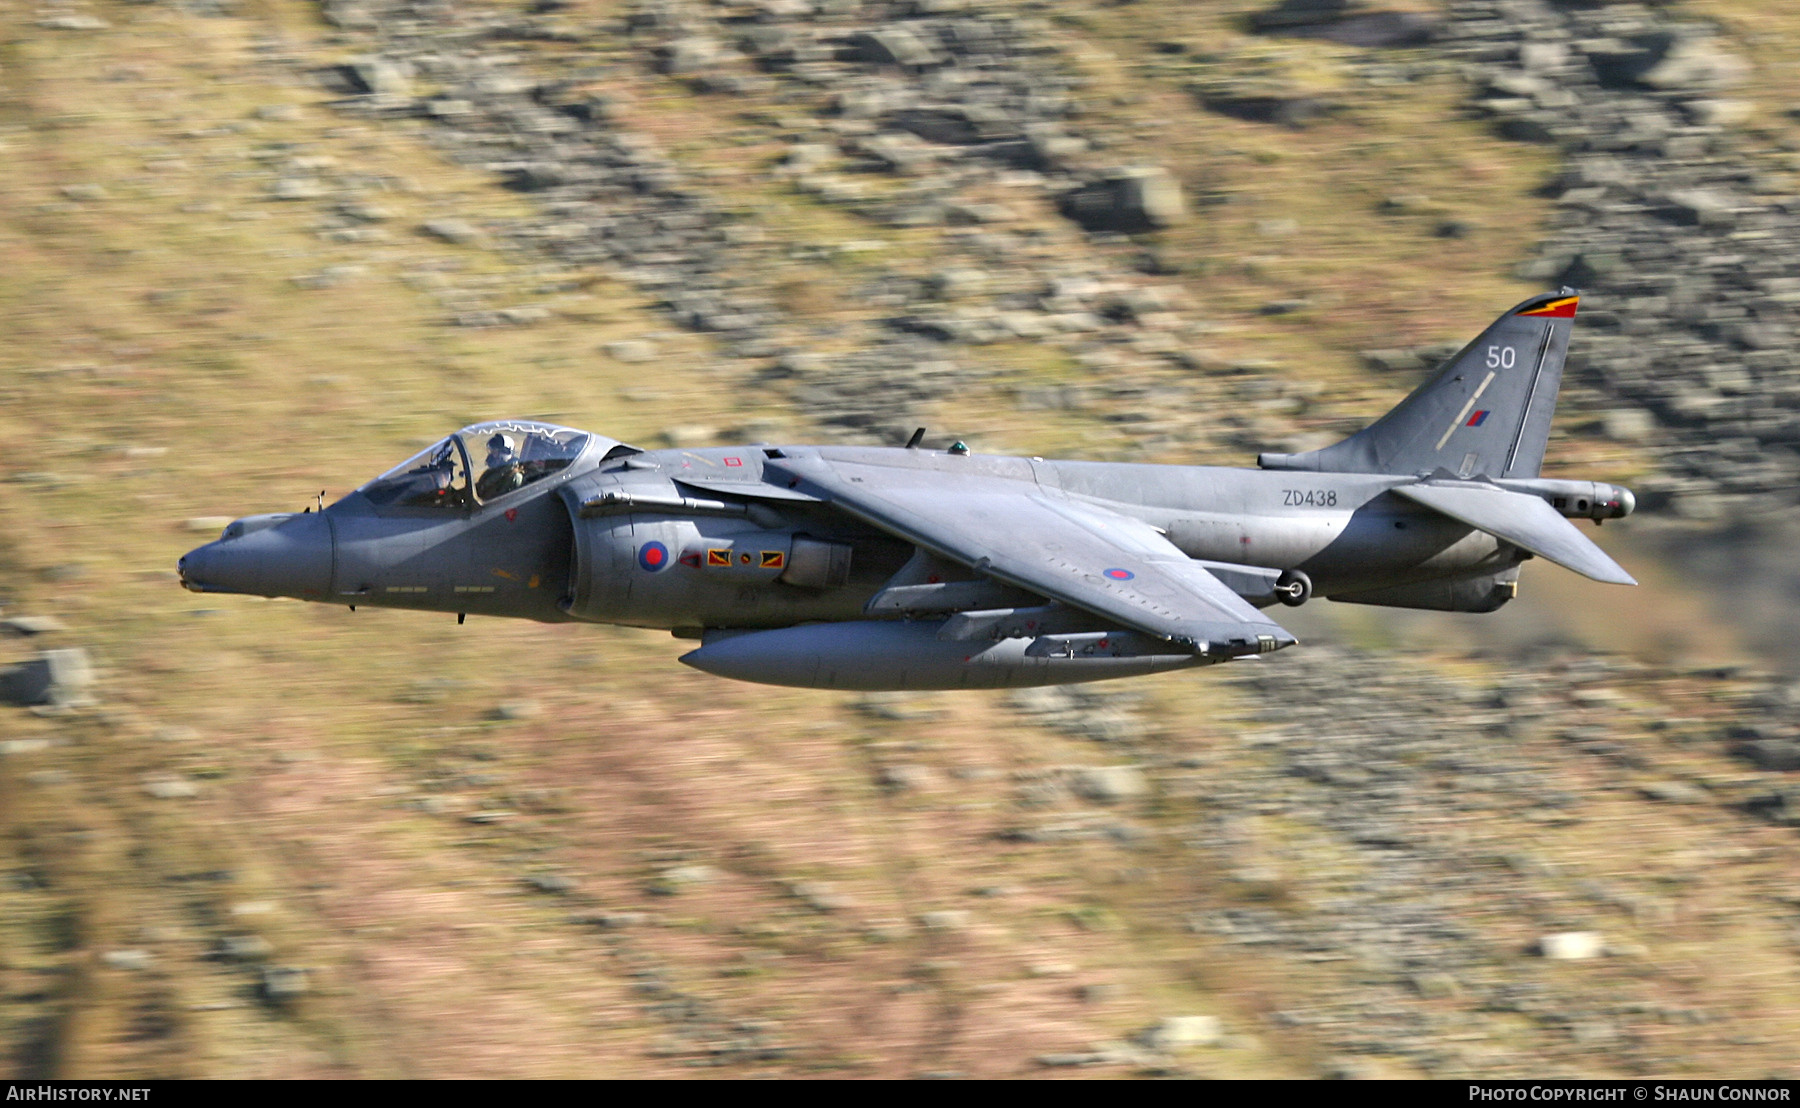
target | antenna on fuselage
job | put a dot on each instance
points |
(917, 437)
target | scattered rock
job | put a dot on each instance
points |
(1110, 784)
(171, 788)
(688, 56)
(553, 883)
(676, 879)
(1571, 946)
(135, 961)
(297, 188)
(891, 45)
(454, 231)
(1436, 986)
(61, 678)
(245, 948)
(1775, 754)
(28, 626)
(630, 351)
(903, 778)
(820, 897)
(1628, 425)
(516, 710)
(617, 921)
(376, 76)
(1700, 208)
(284, 984)
(1182, 1032)
(945, 920)
(1133, 199)
(74, 23)
(688, 435)
(1675, 792)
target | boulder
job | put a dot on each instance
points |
(895, 45)
(1669, 60)
(374, 76)
(1700, 208)
(1110, 784)
(1265, 102)
(945, 920)
(27, 626)
(686, 56)
(1674, 792)
(284, 984)
(1304, 13)
(453, 231)
(1571, 946)
(1141, 198)
(59, 678)
(1695, 64)
(1775, 754)
(630, 351)
(1182, 1032)
(1350, 22)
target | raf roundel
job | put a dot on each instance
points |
(1120, 574)
(652, 556)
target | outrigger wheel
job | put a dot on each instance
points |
(1293, 588)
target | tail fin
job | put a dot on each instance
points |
(1486, 412)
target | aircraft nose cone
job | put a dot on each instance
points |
(290, 556)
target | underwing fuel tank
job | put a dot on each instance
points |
(895, 655)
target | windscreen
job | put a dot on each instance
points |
(436, 477)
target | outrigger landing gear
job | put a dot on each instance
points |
(1293, 588)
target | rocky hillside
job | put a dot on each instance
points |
(256, 249)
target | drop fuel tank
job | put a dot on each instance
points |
(892, 655)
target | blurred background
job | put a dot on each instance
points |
(256, 249)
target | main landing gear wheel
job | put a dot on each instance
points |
(1293, 588)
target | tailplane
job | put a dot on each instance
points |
(1486, 412)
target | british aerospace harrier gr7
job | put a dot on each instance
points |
(909, 568)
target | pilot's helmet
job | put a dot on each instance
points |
(501, 444)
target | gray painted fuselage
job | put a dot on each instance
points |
(531, 554)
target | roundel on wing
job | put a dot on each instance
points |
(1120, 574)
(652, 556)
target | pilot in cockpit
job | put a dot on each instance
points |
(505, 471)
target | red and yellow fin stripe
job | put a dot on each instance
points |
(1557, 307)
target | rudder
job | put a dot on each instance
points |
(1485, 412)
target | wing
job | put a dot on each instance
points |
(1523, 520)
(1116, 567)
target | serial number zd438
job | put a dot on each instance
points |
(1309, 498)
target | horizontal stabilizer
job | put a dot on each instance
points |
(1523, 520)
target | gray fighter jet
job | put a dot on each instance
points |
(909, 568)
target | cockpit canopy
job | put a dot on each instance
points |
(476, 465)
